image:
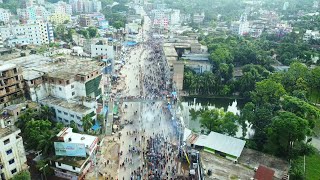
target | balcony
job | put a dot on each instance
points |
(2, 92)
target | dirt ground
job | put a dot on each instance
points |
(108, 151)
(224, 169)
(254, 158)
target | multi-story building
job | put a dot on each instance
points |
(74, 167)
(85, 21)
(311, 35)
(102, 49)
(87, 6)
(36, 32)
(175, 17)
(12, 153)
(240, 27)
(198, 18)
(59, 18)
(11, 86)
(63, 7)
(33, 13)
(4, 15)
(71, 93)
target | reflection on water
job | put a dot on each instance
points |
(230, 105)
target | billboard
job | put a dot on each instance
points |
(70, 149)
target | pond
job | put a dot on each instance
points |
(230, 105)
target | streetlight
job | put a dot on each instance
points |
(44, 172)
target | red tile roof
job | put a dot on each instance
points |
(264, 173)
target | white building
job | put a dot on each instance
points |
(240, 27)
(36, 33)
(87, 6)
(175, 17)
(71, 87)
(311, 35)
(62, 7)
(103, 49)
(5, 15)
(12, 153)
(69, 167)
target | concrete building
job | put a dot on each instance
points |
(36, 33)
(309, 34)
(62, 7)
(12, 153)
(175, 17)
(33, 13)
(240, 27)
(87, 6)
(103, 49)
(59, 18)
(71, 93)
(11, 86)
(75, 167)
(4, 15)
(198, 17)
(85, 21)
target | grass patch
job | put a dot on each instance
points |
(313, 166)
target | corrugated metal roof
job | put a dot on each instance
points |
(222, 143)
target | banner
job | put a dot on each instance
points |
(70, 149)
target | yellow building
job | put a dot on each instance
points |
(59, 18)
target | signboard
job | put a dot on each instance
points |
(70, 149)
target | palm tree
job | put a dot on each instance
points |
(46, 142)
(87, 122)
(46, 112)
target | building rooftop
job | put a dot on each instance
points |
(6, 66)
(264, 173)
(71, 137)
(170, 51)
(76, 107)
(73, 161)
(30, 74)
(222, 143)
(8, 130)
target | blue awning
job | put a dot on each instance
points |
(96, 126)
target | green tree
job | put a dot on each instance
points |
(247, 115)
(93, 32)
(23, 175)
(218, 121)
(267, 91)
(87, 123)
(118, 24)
(285, 130)
(34, 132)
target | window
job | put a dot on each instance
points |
(7, 141)
(9, 151)
(72, 115)
(78, 117)
(65, 113)
(13, 171)
(66, 120)
(11, 161)
(72, 86)
(60, 82)
(60, 118)
(74, 168)
(60, 89)
(59, 163)
(59, 111)
(73, 93)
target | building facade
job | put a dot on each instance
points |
(36, 33)
(12, 153)
(68, 168)
(11, 86)
(59, 18)
(4, 15)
